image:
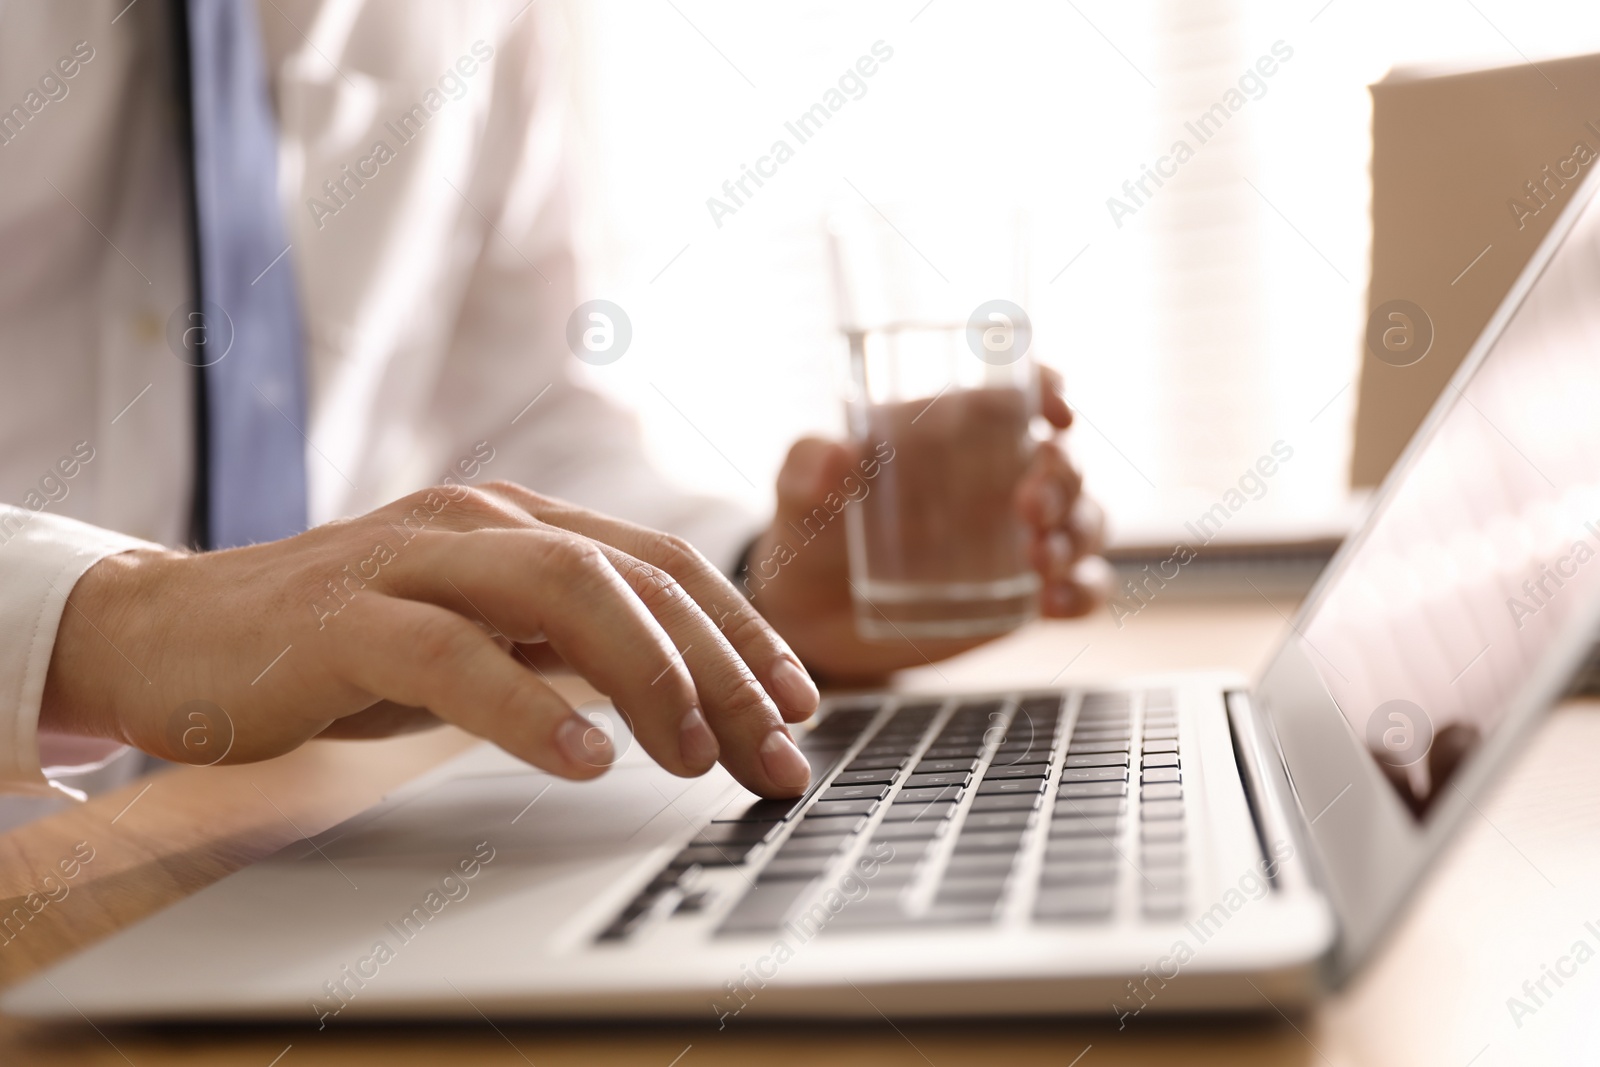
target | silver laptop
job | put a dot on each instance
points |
(1166, 843)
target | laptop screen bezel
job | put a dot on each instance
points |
(1371, 850)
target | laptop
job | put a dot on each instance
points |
(1166, 843)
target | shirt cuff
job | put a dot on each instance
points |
(42, 556)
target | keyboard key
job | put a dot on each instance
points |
(1023, 729)
(868, 760)
(934, 812)
(938, 751)
(730, 854)
(722, 833)
(1159, 759)
(1092, 718)
(783, 868)
(1093, 789)
(1121, 733)
(1074, 902)
(1041, 705)
(1080, 850)
(972, 888)
(1094, 826)
(927, 781)
(905, 831)
(758, 809)
(891, 765)
(883, 775)
(1006, 802)
(990, 840)
(1011, 785)
(762, 907)
(1098, 872)
(1159, 774)
(1023, 738)
(997, 820)
(1080, 748)
(956, 748)
(825, 808)
(625, 924)
(1019, 770)
(1094, 774)
(1161, 791)
(907, 852)
(1162, 855)
(1075, 806)
(1170, 880)
(1172, 830)
(894, 735)
(926, 796)
(1163, 905)
(939, 766)
(1160, 721)
(693, 903)
(822, 845)
(1161, 733)
(1099, 759)
(897, 876)
(964, 863)
(1161, 809)
(855, 792)
(1160, 746)
(854, 715)
(1033, 752)
(809, 827)
(876, 912)
(960, 912)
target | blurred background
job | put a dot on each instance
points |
(1222, 315)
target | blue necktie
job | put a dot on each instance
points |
(254, 378)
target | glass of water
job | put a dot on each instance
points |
(942, 392)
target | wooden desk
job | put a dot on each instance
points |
(1511, 895)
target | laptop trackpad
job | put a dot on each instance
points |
(632, 808)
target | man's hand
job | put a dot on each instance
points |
(808, 600)
(440, 604)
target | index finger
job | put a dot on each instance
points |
(774, 664)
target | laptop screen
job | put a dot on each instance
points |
(1484, 544)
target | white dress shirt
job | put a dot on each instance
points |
(420, 169)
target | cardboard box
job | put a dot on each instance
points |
(1469, 170)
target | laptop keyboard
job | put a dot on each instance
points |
(952, 812)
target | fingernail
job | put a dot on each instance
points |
(793, 689)
(785, 766)
(696, 743)
(583, 742)
(1058, 547)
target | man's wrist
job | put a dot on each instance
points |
(100, 639)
